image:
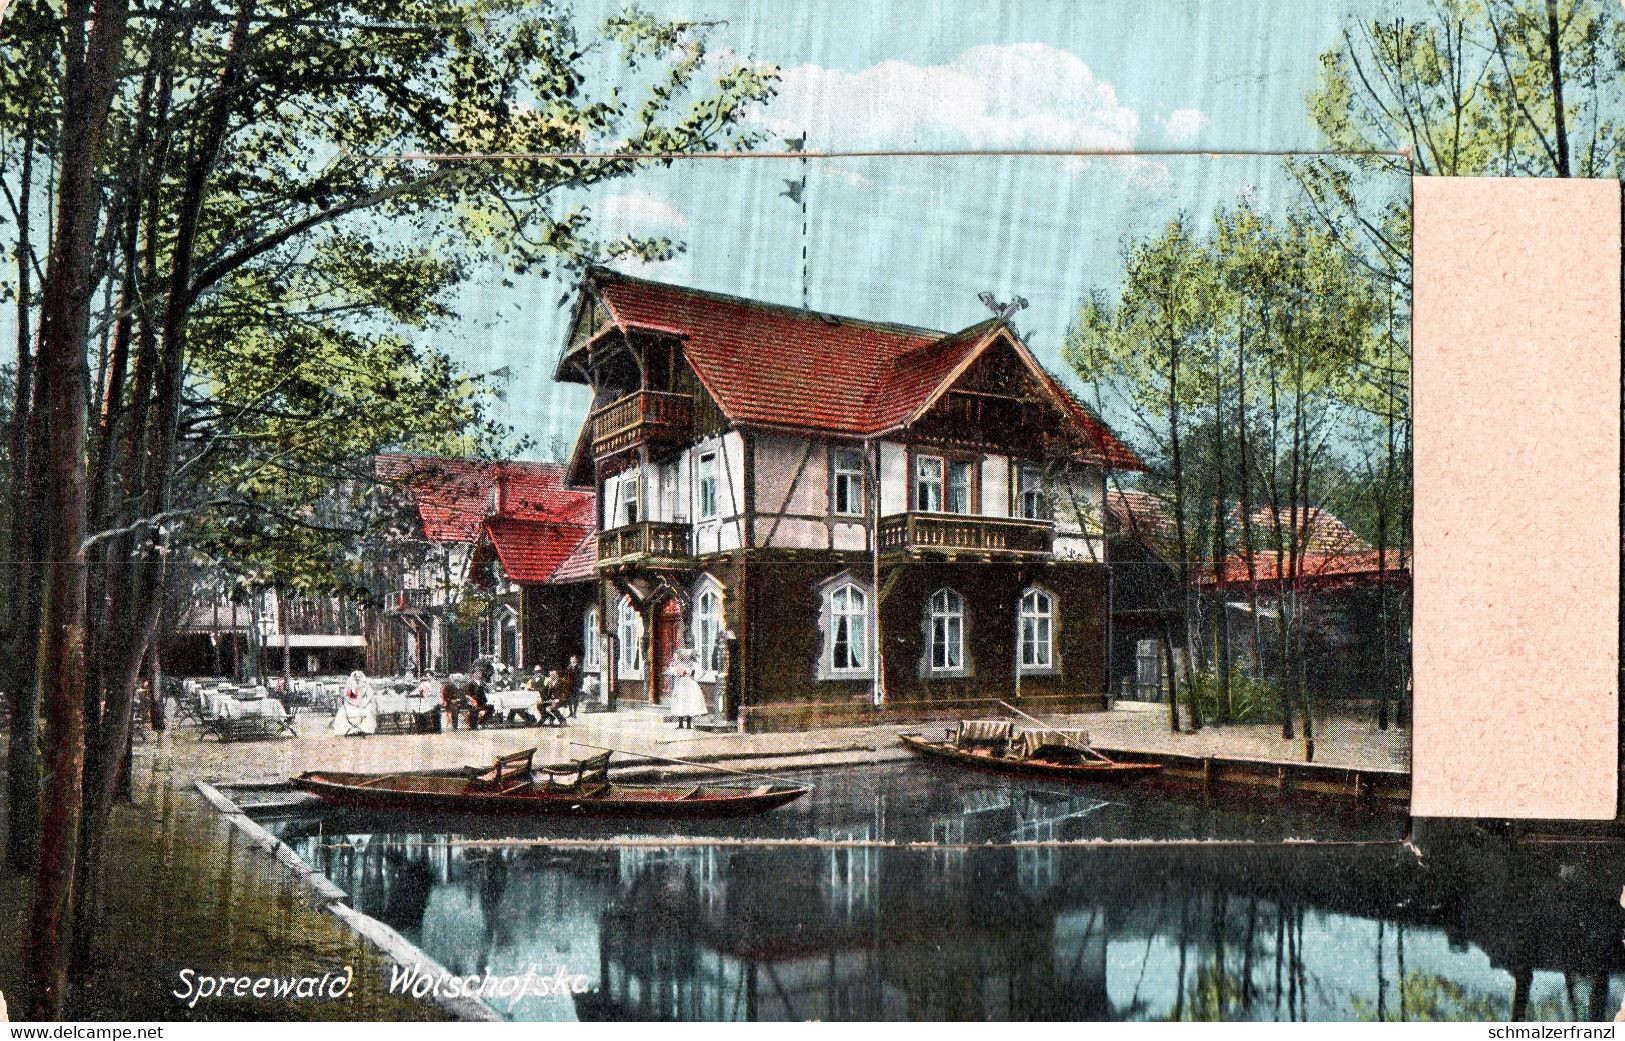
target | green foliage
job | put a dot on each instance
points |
(1253, 699)
(327, 261)
(1468, 88)
(1430, 998)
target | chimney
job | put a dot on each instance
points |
(499, 493)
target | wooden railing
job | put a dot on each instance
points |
(405, 601)
(955, 533)
(643, 415)
(648, 540)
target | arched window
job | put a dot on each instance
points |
(708, 628)
(589, 640)
(848, 629)
(947, 620)
(629, 635)
(1037, 631)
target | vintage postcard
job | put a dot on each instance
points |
(699, 510)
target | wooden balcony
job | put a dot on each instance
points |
(644, 416)
(649, 542)
(411, 601)
(961, 535)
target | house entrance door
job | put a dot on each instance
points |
(668, 636)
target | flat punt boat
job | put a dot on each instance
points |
(1004, 754)
(513, 786)
(439, 793)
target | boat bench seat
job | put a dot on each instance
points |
(992, 734)
(512, 770)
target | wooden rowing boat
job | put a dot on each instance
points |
(1080, 767)
(441, 792)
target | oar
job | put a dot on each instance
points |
(1061, 733)
(687, 762)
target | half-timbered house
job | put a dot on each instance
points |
(845, 519)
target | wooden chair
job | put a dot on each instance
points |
(508, 774)
(588, 776)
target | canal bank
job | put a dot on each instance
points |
(185, 898)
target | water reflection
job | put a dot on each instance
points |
(1265, 931)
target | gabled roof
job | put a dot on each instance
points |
(453, 497)
(1319, 530)
(770, 365)
(530, 551)
(578, 565)
(1149, 518)
(1145, 518)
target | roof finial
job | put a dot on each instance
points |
(1002, 311)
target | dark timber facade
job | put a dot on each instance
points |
(846, 520)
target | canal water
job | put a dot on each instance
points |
(930, 895)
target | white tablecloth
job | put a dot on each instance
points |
(515, 700)
(397, 703)
(231, 708)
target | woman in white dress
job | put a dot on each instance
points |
(357, 715)
(687, 699)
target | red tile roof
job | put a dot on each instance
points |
(531, 551)
(453, 497)
(578, 566)
(773, 365)
(1316, 570)
(1145, 517)
(1319, 530)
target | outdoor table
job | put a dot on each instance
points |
(251, 717)
(505, 701)
(397, 710)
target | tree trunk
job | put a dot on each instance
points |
(20, 592)
(94, 37)
(1221, 624)
(1554, 57)
(1168, 670)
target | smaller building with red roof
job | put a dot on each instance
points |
(495, 530)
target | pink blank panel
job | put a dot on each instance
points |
(1517, 420)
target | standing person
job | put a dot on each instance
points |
(571, 681)
(687, 699)
(357, 716)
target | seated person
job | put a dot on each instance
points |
(553, 695)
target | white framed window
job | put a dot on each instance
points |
(958, 499)
(629, 497)
(946, 611)
(708, 628)
(589, 640)
(1037, 631)
(705, 484)
(847, 467)
(1148, 678)
(848, 636)
(928, 483)
(629, 637)
(1031, 502)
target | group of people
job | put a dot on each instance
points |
(467, 697)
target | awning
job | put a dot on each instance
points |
(315, 640)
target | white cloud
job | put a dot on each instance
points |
(1184, 125)
(636, 213)
(1010, 96)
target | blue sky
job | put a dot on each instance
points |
(915, 240)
